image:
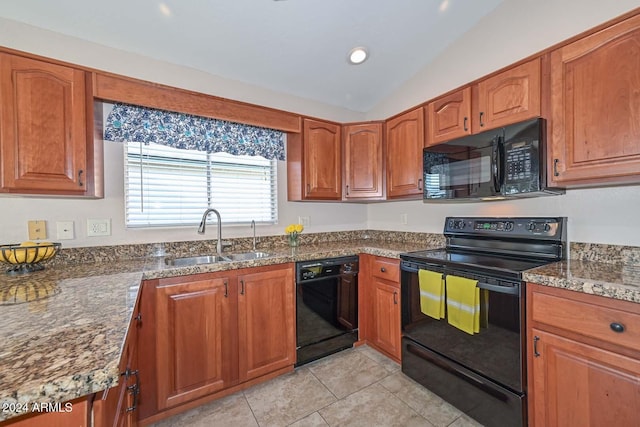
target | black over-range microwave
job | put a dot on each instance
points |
(497, 164)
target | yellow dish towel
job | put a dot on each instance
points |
(431, 293)
(463, 304)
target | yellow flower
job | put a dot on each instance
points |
(294, 229)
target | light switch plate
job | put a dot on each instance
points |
(98, 227)
(37, 229)
(304, 220)
(64, 230)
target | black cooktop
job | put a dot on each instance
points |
(473, 260)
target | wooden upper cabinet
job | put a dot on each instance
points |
(595, 108)
(508, 97)
(449, 117)
(45, 113)
(404, 142)
(363, 162)
(314, 162)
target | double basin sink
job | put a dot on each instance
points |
(212, 259)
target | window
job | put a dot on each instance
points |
(166, 186)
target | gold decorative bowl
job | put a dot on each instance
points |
(26, 257)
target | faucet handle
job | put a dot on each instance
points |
(227, 244)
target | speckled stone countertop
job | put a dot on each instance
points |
(69, 344)
(613, 280)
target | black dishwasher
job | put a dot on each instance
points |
(326, 307)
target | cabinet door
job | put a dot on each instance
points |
(266, 322)
(405, 141)
(595, 107)
(43, 127)
(508, 97)
(386, 316)
(363, 164)
(195, 339)
(579, 385)
(322, 160)
(449, 117)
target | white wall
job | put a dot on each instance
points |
(515, 30)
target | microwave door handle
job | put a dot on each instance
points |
(495, 154)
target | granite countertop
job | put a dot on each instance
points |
(612, 280)
(69, 344)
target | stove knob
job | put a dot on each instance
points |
(461, 225)
(451, 223)
(547, 227)
(531, 227)
(508, 226)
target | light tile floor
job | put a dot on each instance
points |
(356, 387)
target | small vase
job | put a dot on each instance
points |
(293, 240)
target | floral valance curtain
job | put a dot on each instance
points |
(131, 123)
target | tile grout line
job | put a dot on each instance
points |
(250, 408)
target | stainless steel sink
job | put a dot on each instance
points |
(195, 260)
(247, 256)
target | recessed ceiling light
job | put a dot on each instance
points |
(164, 9)
(444, 5)
(358, 55)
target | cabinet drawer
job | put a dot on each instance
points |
(387, 269)
(591, 320)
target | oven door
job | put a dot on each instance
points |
(466, 168)
(496, 352)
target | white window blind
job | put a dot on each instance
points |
(166, 186)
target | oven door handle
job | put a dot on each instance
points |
(510, 290)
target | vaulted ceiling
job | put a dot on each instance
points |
(298, 47)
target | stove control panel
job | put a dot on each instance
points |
(515, 227)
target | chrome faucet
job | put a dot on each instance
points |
(203, 225)
(253, 225)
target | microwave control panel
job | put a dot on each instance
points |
(521, 167)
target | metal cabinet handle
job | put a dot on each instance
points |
(138, 318)
(395, 297)
(466, 128)
(241, 287)
(481, 116)
(347, 190)
(80, 183)
(226, 289)
(383, 269)
(133, 389)
(420, 184)
(555, 167)
(617, 327)
(535, 346)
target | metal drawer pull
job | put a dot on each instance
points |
(466, 119)
(617, 327)
(241, 287)
(80, 183)
(535, 346)
(382, 269)
(395, 297)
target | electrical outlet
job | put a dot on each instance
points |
(304, 220)
(37, 230)
(98, 227)
(64, 230)
(403, 219)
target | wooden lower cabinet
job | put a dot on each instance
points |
(211, 332)
(582, 372)
(118, 406)
(75, 413)
(266, 319)
(380, 304)
(195, 333)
